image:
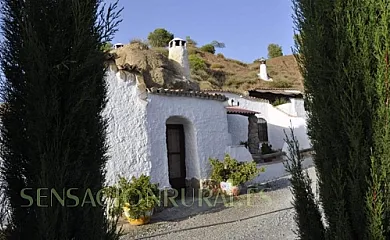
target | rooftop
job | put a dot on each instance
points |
(186, 93)
(240, 111)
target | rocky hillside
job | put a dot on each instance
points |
(209, 71)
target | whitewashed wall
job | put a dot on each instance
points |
(238, 128)
(206, 124)
(299, 107)
(278, 121)
(277, 170)
(288, 108)
(127, 130)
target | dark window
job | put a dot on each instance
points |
(263, 130)
(177, 43)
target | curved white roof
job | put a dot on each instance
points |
(178, 39)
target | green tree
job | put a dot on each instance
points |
(217, 44)
(343, 56)
(52, 131)
(208, 48)
(107, 46)
(160, 37)
(274, 50)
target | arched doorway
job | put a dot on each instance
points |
(181, 152)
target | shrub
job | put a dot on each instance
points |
(279, 101)
(160, 37)
(142, 43)
(274, 50)
(208, 48)
(281, 84)
(139, 195)
(162, 51)
(231, 169)
(220, 55)
(197, 63)
(217, 66)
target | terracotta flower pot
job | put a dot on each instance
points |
(145, 219)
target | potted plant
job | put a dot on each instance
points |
(136, 199)
(231, 174)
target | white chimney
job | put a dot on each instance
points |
(263, 75)
(118, 45)
(178, 53)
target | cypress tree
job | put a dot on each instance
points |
(343, 55)
(52, 132)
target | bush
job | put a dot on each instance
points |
(162, 51)
(231, 169)
(139, 195)
(281, 84)
(160, 37)
(220, 55)
(208, 48)
(142, 43)
(274, 50)
(279, 101)
(197, 63)
(217, 66)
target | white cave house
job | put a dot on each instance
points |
(170, 134)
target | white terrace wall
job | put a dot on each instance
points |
(277, 120)
(206, 130)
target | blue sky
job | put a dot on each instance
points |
(246, 27)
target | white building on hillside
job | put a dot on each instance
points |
(171, 134)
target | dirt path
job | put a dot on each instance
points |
(268, 215)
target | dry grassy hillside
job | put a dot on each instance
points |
(210, 71)
(223, 73)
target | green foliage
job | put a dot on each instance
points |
(53, 133)
(217, 66)
(217, 44)
(160, 37)
(191, 42)
(208, 48)
(274, 50)
(231, 169)
(106, 47)
(343, 54)
(139, 195)
(280, 84)
(266, 148)
(197, 63)
(308, 218)
(279, 101)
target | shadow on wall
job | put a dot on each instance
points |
(277, 136)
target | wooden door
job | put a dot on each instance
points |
(176, 156)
